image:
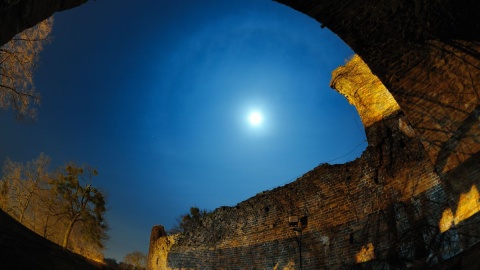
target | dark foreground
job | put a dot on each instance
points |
(20, 248)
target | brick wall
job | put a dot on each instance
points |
(412, 198)
(427, 54)
(160, 245)
(383, 208)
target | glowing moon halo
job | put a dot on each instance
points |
(255, 118)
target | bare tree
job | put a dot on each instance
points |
(22, 184)
(136, 259)
(63, 207)
(12, 188)
(81, 203)
(36, 176)
(47, 215)
(18, 59)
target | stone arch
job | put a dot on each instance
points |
(377, 208)
(381, 210)
(427, 54)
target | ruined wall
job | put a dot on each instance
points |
(427, 54)
(384, 208)
(19, 15)
(160, 245)
(412, 198)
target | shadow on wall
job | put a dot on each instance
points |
(467, 206)
(440, 94)
(382, 210)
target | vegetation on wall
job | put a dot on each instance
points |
(188, 221)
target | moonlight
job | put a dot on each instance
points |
(255, 118)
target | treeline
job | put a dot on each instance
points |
(132, 261)
(62, 205)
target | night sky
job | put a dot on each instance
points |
(157, 95)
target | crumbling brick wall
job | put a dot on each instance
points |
(427, 54)
(412, 198)
(383, 208)
(160, 244)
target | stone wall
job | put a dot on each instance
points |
(427, 54)
(419, 177)
(412, 198)
(160, 245)
(19, 15)
(385, 208)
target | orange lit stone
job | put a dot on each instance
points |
(446, 221)
(365, 254)
(289, 266)
(364, 90)
(467, 206)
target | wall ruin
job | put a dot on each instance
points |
(384, 208)
(412, 198)
(427, 53)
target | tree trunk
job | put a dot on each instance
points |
(45, 227)
(27, 203)
(22, 215)
(22, 14)
(69, 230)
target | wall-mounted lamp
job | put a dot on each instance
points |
(298, 225)
(293, 221)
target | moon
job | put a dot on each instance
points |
(255, 118)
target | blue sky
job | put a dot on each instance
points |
(156, 96)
